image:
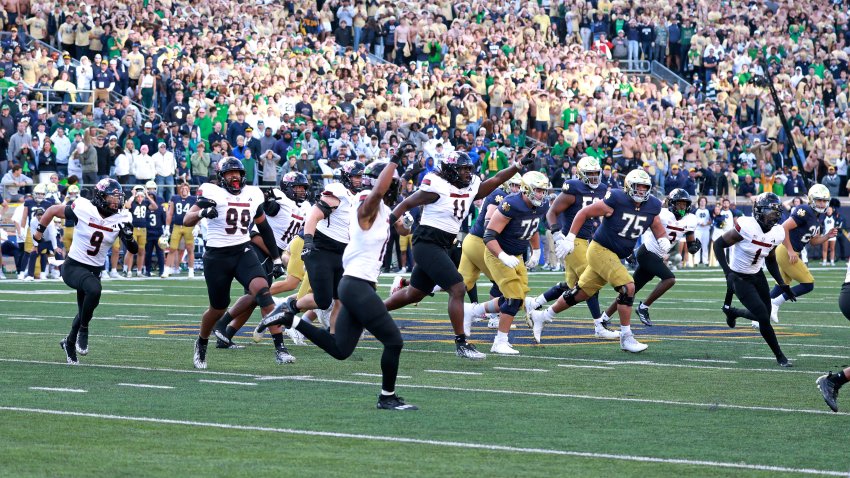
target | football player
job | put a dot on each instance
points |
(678, 222)
(40, 248)
(446, 196)
(97, 223)
(155, 227)
(802, 227)
(361, 308)
(830, 383)
(285, 210)
(230, 208)
(628, 213)
(175, 231)
(755, 238)
(509, 232)
(39, 200)
(138, 206)
(576, 194)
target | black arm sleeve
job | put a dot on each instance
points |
(773, 267)
(267, 234)
(490, 235)
(69, 214)
(720, 253)
(131, 245)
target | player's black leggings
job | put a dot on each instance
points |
(86, 280)
(362, 308)
(754, 293)
(324, 269)
(844, 300)
(649, 266)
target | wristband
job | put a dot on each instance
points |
(40, 227)
(553, 228)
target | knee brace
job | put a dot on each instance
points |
(494, 291)
(624, 298)
(264, 298)
(510, 306)
(563, 286)
(570, 296)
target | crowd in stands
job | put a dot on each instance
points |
(304, 85)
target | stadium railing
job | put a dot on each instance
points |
(638, 66)
(665, 74)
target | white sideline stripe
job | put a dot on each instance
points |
(824, 356)
(454, 372)
(441, 443)
(308, 378)
(52, 389)
(709, 361)
(517, 369)
(759, 358)
(143, 385)
(24, 318)
(568, 365)
(377, 375)
(227, 382)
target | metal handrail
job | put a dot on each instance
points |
(634, 66)
(56, 97)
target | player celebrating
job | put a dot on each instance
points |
(285, 210)
(97, 223)
(230, 208)
(755, 238)
(802, 227)
(628, 212)
(575, 194)
(678, 222)
(509, 232)
(446, 197)
(180, 205)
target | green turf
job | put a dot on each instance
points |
(691, 396)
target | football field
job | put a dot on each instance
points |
(703, 400)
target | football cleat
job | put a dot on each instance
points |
(280, 315)
(70, 353)
(783, 361)
(113, 274)
(774, 312)
(296, 336)
(755, 325)
(530, 304)
(191, 273)
(467, 350)
(82, 345)
(200, 357)
(503, 348)
(222, 338)
(468, 318)
(828, 390)
(643, 315)
(282, 356)
(629, 343)
(221, 344)
(394, 402)
(166, 273)
(324, 316)
(731, 316)
(399, 283)
(535, 321)
(605, 333)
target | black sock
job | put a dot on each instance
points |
(728, 299)
(473, 294)
(223, 321)
(202, 340)
(460, 339)
(278, 340)
(838, 379)
(293, 305)
(230, 332)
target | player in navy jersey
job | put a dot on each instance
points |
(576, 194)
(627, 212)
(802, 227)
(138, 205)
(39, 200)
(509, 232)
(155, 226)
(176, 231)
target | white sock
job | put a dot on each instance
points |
(479, 309)
(538, 301)
(779, 300)
(549, 314)
(501, 337)
(598, 322)
(295, 321)
(625, 329)
(643, 306)
(385, 393)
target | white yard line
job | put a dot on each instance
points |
(24, 318)
(824, 356)
(709, 361)
(377, 375)
(227, 382)
(439, 443)
(54, 389)
(760, 358)
(568, 365)
(144, 385)
(454, 372)
(516, 369)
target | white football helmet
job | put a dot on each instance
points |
(589, 171)
(633, 180)
(39, 191)
(514, 184)
(535, 186)
(819, 193)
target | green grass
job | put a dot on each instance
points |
(692, 404)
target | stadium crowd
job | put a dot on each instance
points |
(303, 86)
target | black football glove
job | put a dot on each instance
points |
(694, 246)
(527, 157)
(125, 232)
(208, 210)
(277, 270)
(308, 248)
(413, 171)
(403, 150)
(789, 294)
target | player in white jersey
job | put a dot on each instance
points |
(97, 224)
(678, 223)
(285, 210)
(703, 231)
(229, 209)
(360, 306)
(446, 197)
(756, 238)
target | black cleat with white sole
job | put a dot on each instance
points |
(467, 350)
(221, 344)
(82, 345)
(394, 402)
(282, 356)
(222, 337)
(282, 314)
(200, 357)
(643, 315)
(783, 361)
(829, 390)
(731, 316)
(70, 352)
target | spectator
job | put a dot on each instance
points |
(201, 161)
(165, 166)
(795, 186)
(831, 181)
(14, 184)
